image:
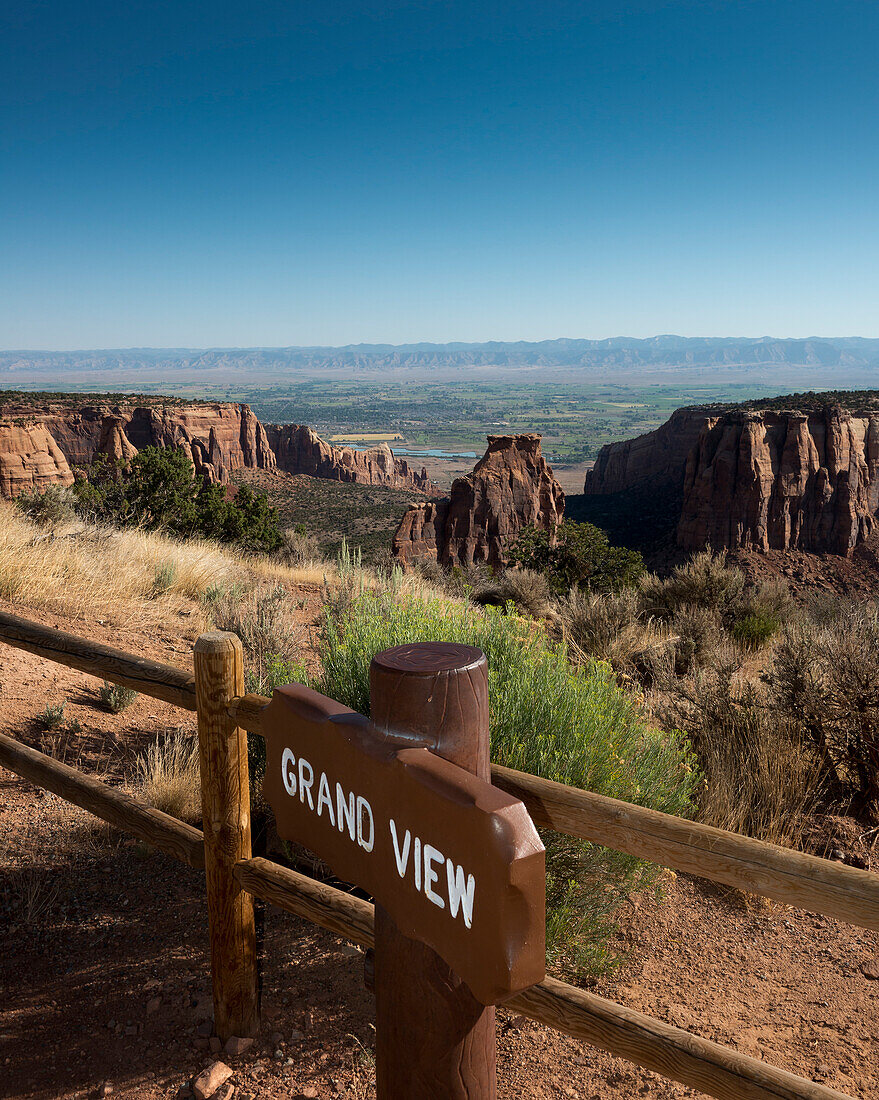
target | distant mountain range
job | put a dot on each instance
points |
(657, 352)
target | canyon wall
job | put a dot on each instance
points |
(299, 450)
(41, 444)
(782, 480)
(773, 479)
(511, 487)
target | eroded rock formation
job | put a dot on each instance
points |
(30, 459)
(41, 444)
(782, 480)
(299, 450)
(511, 487)
(766, 480)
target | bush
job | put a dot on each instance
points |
(158, 490)
(610, 627)
(755, 629)
(299, 547)
(827, 680)
(50, 507)
(697, 631)
(115, 697)
(168, 776)
(577, 555)
(760, 775)
(572, 725)
(705, 581)
(52, 717)
(526, 590)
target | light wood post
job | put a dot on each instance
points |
(225, 800)
(434, 1040)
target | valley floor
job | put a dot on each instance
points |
(105, 973)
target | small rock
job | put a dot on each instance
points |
(201, 1043)
(308, 1093)
(205, 1029)
(871, 970)
(278, 1055)
(216, 1045)
(295, 1036)
(823, 1070)
(277, 1038)
(153, 1005)
(235, 1047)
(106, 1089)
(207, 1083)
(837, 853)
(350, 950)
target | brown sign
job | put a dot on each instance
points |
(456, 862)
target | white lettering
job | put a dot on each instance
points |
(345, 810)
(364, 806)
(417, 863)
(288, 771)
(432, 855)
(402, 858)
(305, 784)
(459, 894)
(324, 799)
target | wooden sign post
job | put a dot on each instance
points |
(455, 865)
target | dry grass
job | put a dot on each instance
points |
(87, 572)
(168, 776)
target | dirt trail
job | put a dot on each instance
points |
(104, 973)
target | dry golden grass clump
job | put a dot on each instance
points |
(167, 776)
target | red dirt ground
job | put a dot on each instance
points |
(104, 972)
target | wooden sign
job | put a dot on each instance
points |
(457, 863)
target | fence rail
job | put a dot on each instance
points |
(836, 890)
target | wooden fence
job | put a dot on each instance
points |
(215, 691)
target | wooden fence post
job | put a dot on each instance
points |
(225, 799)
(433, 1038)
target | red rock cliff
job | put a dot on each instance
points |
(299, 450)
(764, 480)
(782, 480)
(219, 438)
(511, 487)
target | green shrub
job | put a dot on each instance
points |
(74, 726)
(572, 725)
(115, 698)
(157, 489)
(755, 629)
(164, 576)
(52, 717)
(577, 555)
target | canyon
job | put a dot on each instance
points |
(511, 487)
(802, 476)
(43, 443)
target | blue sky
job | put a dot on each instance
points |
(275, 173)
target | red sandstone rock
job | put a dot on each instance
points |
(767, 480)
(299, 450)
(782, 480)
(30, 459)
(511, 487)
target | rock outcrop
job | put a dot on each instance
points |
(30, 459)
(767, 479)
(41, 444)
(299, 450)
(511, 487)
(782, 481)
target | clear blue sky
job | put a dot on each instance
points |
(196, 173)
